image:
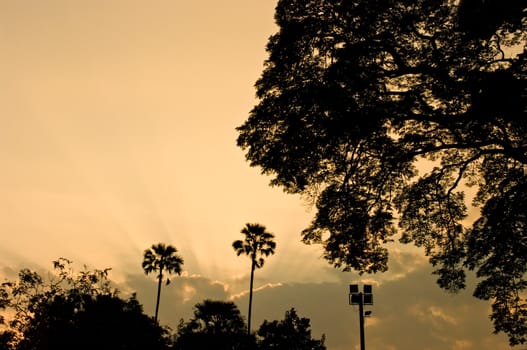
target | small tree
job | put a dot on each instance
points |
(215, 325)
(161, 258)
(258, 243)
(292, 333)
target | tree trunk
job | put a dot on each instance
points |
(250, 298)
(160, 280)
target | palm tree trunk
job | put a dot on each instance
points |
(250, 298)
(160, 280)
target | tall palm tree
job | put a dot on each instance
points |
(161, 258)
(258, 243)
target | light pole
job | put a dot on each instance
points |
(361, 299)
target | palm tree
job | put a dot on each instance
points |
(258, 243)
(161, 258)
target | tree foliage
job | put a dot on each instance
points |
(384, 112)
(291, 333)
(219, 325)
(257, 244)
(74, 311)
(215, 325)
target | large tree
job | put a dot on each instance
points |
(257, 244)
(384, 113)
(161, 258)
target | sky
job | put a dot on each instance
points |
(117, 131)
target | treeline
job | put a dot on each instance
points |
(81, 310)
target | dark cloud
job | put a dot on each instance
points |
(178, 298)
(409, 313)
(413, 313)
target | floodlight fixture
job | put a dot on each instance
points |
(361, 299)
(357, 298)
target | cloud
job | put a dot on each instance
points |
(178, 298)
(255, 290)
(410, 312)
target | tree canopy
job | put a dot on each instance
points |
(291, 333)
(384, 113)
(219, 325)
(215, 325)
(74, 311)
(258, 243)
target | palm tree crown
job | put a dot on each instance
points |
(161, 258)
(258, 243)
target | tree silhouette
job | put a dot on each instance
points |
(291, 333)
(74, 310)
(161, 258)
(215, 325)
(356, 96)
(258, 243)
(81, 321)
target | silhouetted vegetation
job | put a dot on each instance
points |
(219, 325)
(7, 340)
(357, 95)
(257, 244)
(161, 258)
(74, 311)
(81, 310)
(215, 325)
(291, 333)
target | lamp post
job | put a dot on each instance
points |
(361, 298)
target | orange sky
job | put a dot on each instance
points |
(117, 131)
